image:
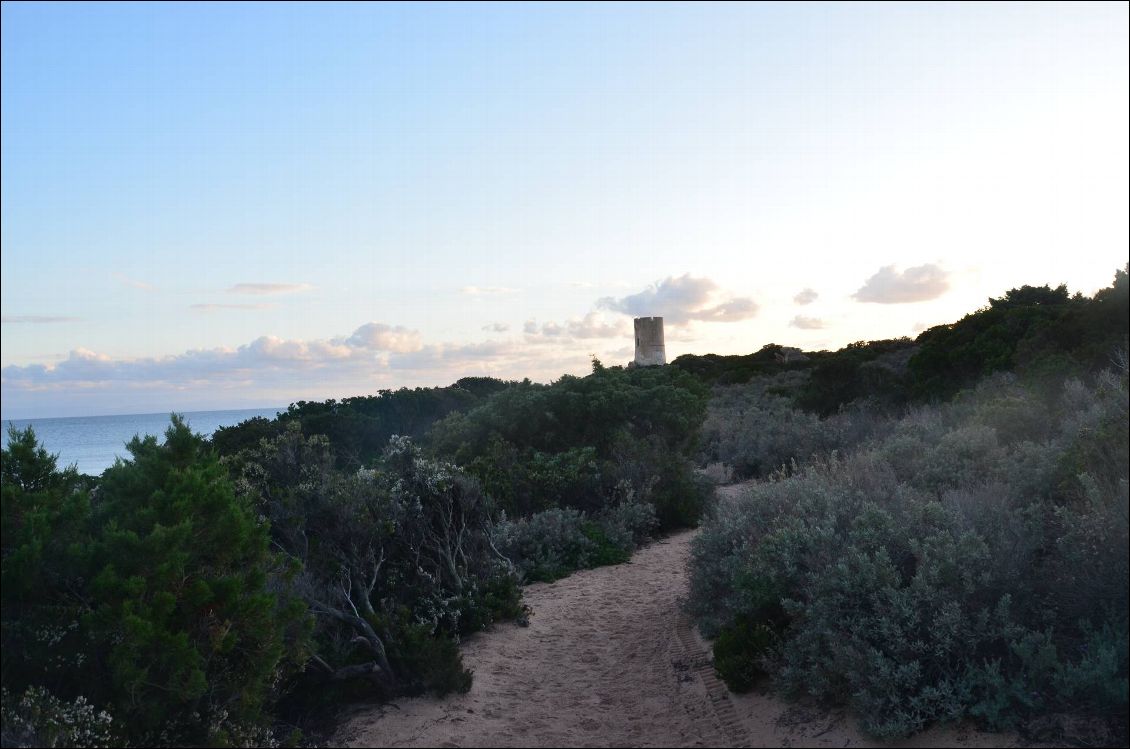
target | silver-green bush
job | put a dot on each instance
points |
(966, 560)
(553, 543)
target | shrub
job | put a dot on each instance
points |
(739, 650)
(571, 443)
(427, 662)
(938, 571)
(551, 544)
(182, 601)
(157, 606)
(547, 545)
(40, 719)
(756, 429)
(46, 532)
(718, 473)
(395, 562)
(628, 523)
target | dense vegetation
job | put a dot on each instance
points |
(961, 557)
(202, 590)
(586, 443)
(150, 598)
(359, 428)
(938, 530)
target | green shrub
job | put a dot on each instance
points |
(182, 599)
(572, 443)
(739, 650)
(427, 662)
(604, 550)
(47, 531)
(163, 613)
(395, 562)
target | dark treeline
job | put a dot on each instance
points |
(236, 589)
(1040, 333)
(360, 427)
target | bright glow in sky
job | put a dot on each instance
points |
(214, 206)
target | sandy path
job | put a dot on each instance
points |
(600, 664)
(609, 660)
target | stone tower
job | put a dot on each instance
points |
(649, 342)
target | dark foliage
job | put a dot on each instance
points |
(153, 601)
(360, 427)
(739, 650)
(571, 443)
(395, 563)
(1038, 332)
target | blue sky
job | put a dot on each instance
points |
(209, 206)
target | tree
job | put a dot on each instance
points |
(46, 534)
(191, 636)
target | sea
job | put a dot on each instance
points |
(92, 443)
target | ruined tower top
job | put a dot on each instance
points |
(650, 350)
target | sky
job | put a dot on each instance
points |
(228, 205)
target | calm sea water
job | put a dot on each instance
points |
(92, 442)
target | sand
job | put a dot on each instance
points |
(609, 659)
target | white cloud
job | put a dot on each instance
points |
(734, 310)
(805, 296)
(806, 323)
(679, 300)
(266, 353)
(487, 290)
(216, 307)
(592, 325)
(918, 284)
(496, 327)
(36, 319)
(381, 337)
(268, 288)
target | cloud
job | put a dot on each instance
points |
(272, 368)
(374, 355)
(268, 288)
(805, 296)
(681, 300)
(36, 319)
(807, 323)
(592, 325)
(918, 284)
(287, 352)
(361, 350)
(732, 311)
(380, 337)
(215, 307)
(496, 327)
(487, 290)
